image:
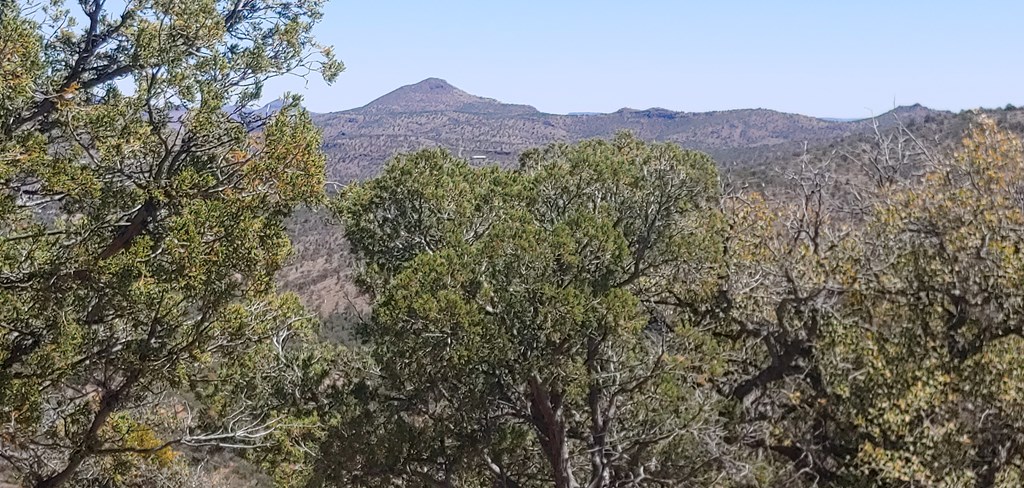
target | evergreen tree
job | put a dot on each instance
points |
(141, 223)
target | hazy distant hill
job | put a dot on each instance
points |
(437, 95)
(435, 113)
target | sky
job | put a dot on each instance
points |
(826, 58)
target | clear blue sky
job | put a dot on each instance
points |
(823, 58)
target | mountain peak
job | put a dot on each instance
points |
(433, 84)
(437, 95)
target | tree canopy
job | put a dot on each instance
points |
(521, 324)
(608, 313)
(604, 316)
(887, 317)
(141, 222)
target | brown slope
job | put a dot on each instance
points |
(435, 113)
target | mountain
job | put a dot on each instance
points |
(437, 95)
(435, 113)
(752, 144)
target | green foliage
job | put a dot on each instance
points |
(534, 327)
(601, 316)
(889, 321)
(142, 217)
(520, 325)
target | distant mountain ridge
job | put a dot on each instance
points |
(435, 113)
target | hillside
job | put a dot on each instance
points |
(435, 113)
(751, 143)
(752, 146)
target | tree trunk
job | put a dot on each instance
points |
(546, 410)
(90, 442)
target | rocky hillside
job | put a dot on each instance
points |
(752, 143)
(435, 113)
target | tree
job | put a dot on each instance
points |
(887, 316)
(526, 326)
(141, 223)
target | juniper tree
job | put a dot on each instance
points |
(881, 316)
(141, 223)
(525, 326)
